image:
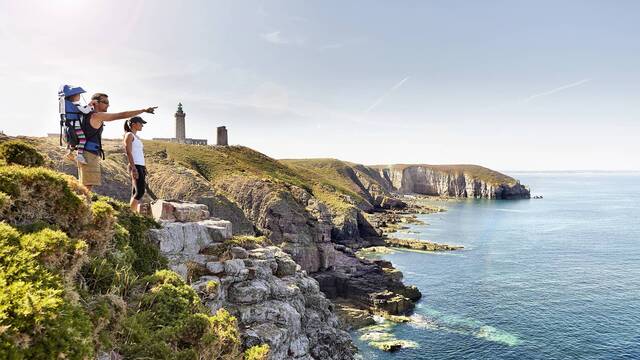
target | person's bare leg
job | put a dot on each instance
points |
(135, 205)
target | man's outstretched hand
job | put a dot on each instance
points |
(150, 110)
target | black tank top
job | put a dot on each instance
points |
(91, 134)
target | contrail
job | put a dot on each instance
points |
(394, 88)
(563, 87)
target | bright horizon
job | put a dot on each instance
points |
(525, 86)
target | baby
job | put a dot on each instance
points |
(73, 112)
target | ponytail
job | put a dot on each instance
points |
(127, 128)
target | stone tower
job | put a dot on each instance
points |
(222, 136)
(180, 131)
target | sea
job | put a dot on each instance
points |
(551, 278)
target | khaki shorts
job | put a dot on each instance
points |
(89, 173)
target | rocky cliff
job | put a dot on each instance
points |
(464, 181)
(275, 302)
(376, 184)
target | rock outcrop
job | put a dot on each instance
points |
(276, 303)
(286, 216)
(367, 284)
(420, 245)
(274, 300)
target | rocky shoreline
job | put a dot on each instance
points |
(257, 283)
(384, 304)
(369, 324)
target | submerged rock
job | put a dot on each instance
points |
(380, 337)
(421, 245)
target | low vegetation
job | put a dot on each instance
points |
(80, 277)
(18, 152)
(223, 251)
(218, 163)
(215, 163)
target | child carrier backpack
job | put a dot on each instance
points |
(70, 114)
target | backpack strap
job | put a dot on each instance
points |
(62, 110)
(100, 144)
(61, 125)
(93, 136)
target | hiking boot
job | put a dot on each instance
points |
(80, 158)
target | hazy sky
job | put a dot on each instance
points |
(512, 85)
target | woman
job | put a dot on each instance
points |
(135, 154)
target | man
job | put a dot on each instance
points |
(89, 174)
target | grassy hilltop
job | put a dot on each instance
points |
(219, 164)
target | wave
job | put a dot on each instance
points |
(512, 210)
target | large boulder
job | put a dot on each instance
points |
(173, 210)
(179, 238)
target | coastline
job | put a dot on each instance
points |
(317, 221)
(372, 326)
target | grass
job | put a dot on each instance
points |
(219, 163)
(328, 175)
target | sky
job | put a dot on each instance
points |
(511, 85)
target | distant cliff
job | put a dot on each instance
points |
(470, 181)
(375, 185)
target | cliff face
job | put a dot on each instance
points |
(274, 301)
(289, 216)
(461, 181)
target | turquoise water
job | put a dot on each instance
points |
(557, 278)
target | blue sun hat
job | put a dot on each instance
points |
(70, 90)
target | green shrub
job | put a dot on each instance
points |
(107, 313)
(148, 257)
(102, 228)
(171, 323)
(224, 336)
(36, 318)
(244, 241)
(5, 202)
(212, 286)
(42, 195)
(126, 301)
(112, 268)
(20, 153)
(258, 352)
(249, 242)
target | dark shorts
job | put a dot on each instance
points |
(137, 185)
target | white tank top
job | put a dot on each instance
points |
(137, 150)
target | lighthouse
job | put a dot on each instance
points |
(180, 131)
